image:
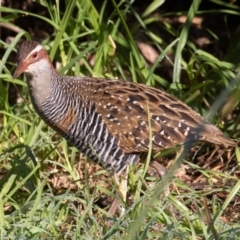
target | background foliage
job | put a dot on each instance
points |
(190, 49)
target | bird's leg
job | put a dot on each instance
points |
(121, 183)
(156, 167)
(159, 168)
(180, 154)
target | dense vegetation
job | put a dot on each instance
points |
(191, 49)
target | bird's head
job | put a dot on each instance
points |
(31, 59)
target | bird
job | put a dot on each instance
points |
(113, 122)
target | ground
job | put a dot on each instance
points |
(209, 172)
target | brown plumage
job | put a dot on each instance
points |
(126, 109)
(110, 120)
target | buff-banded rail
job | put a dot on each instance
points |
(109, 120)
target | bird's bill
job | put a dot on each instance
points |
(20, 69)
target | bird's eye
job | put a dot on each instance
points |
(34, 55)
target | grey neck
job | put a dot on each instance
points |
(39, 83)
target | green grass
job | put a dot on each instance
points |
(47, 189)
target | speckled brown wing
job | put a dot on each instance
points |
(126, 109)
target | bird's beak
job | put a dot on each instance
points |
(20, 69)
